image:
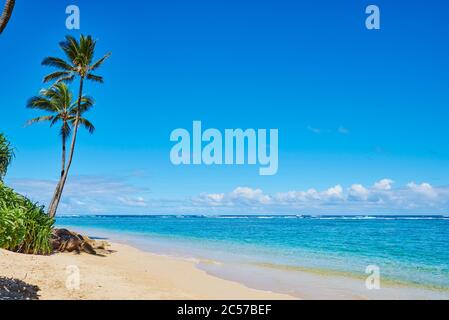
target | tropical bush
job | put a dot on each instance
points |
(24, 225)
(6, 155)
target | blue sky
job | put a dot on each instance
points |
(353, 107)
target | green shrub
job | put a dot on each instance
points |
(24, 225)
(6, 155)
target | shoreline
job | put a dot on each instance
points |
(128, 273)
(295, 282)
(345, 284)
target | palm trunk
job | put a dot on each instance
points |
(6, 15)
(63, 156)
(60, 186)
(55, 194)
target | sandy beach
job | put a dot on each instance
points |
(128, 273)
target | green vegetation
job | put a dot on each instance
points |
(24, 226)
(6, 155)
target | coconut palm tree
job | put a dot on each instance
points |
(6, 15)
(58, 101)
(6, 155)
(79, 63)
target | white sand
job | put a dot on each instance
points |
(126, 274)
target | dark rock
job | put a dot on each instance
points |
(63, 240)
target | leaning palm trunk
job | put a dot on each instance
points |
(6, 15)
(61, 184)
(62, 175)
(63, 156)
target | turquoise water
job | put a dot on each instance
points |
(414, 249)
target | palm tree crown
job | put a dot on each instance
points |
(79, 55)
(58, 100)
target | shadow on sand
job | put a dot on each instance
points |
(14, 289)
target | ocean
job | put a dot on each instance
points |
(412, 250)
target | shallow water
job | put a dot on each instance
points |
(412, 250)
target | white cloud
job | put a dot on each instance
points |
(381, 198)
(243, 194)
(423, 189)
(384, 184)
(134, 202)
(359, 192)
(334, 193)
(94, 194)
(239, 196)
(87, 194)
(297, 196)
(214, 199)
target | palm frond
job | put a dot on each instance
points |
(98, 64)
(95, 78)
(80, 54)
(39, 119)
(86, 104)
(58, 75)
(87, 48)
(55, 120)
(87, 125)
(62, 94)
(71, 48)
(41, 103)
(57, 63)
(68, 79)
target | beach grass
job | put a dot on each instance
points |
(6, 155)
(24, 225)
